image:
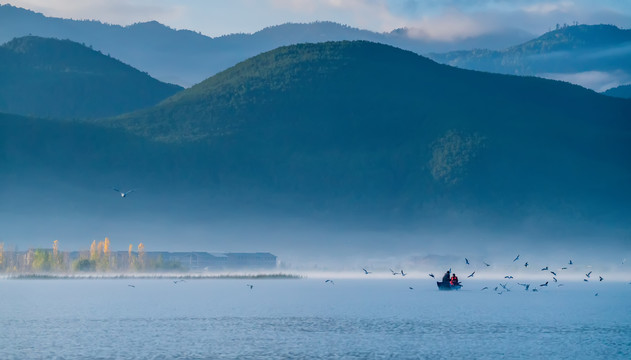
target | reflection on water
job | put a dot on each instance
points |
(354, 319)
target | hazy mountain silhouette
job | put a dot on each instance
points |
(622, 91)
(592, 49)
(61, 78)
(186, 58)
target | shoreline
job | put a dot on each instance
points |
(105, 276)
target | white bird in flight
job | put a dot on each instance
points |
(124, 193)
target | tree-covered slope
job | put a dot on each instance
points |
(604, 49)
(622, 91)
(63, 79)
(363, 123)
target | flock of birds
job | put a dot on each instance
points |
(501, 288)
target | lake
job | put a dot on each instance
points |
(310, 319)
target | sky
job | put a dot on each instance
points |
(441, 20)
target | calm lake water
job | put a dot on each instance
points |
(309, 319)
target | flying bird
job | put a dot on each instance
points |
(534, 290)
(471, 275)
(526, 286)
(497, 287)
(571, 263)
(402, 273)
(432, 275)
(366, 271)
(564, 268)
(508, 277)
(466, 261)
(596, 294)
(526, 264)
(546, 284)
(585, 280)
(555, 279)
(553, 273)
(545, 269)
(131, 285)
(393, 272)
(588, 274)
(329, 281)
(517, 258)
(411, 288)
(124, 193)
(484, 262)
(600, 278)
(484, 288)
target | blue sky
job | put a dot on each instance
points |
(443, 20)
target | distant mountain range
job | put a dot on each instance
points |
(622, 91)
(63, 79)
(595, 56)
(186, 57)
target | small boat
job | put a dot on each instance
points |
(445, 285)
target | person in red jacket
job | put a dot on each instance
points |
(454, 279)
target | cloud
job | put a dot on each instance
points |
(596, 80)
(545, 8)
(447, 27)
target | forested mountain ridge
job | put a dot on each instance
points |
(373, 123)
(63, 79)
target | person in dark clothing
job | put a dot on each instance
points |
(446, 276)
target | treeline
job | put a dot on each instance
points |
(100, 258)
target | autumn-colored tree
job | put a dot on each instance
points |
(93, 253)
(57, 259)
(99, 248)
(141, 254)
(106, 247)
(55, 248)
(1, 255)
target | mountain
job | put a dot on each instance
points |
(589, 55)
(186, 57)
(359, 125)
(622, 91)
(60, 78)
